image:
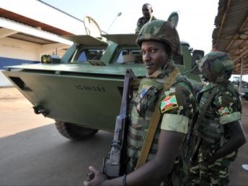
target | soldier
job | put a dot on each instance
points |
(218, 128)
(147, 17)
(164, 90)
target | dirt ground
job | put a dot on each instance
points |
(14, 107)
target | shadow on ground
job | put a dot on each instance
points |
(42, 157)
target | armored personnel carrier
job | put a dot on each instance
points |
(82, 90)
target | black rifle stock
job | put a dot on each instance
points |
(113, 166)
(190, 137)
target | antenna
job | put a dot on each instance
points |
(118, 15)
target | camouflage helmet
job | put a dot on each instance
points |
(216, 66)
(162, 31)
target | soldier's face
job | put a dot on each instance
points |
(147, 11)
(153, 55)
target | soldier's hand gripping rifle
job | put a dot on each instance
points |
(113, 166)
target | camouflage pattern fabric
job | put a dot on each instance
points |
(225, 108)
(216, 67)
(205, 174)
(161, 31)
(143, 105)
(141, 22)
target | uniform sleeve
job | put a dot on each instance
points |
(177, 107)
(227, 107)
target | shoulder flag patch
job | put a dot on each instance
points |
(168, 103)
(223, 111)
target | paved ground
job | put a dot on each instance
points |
(238, 175)
(33, 153)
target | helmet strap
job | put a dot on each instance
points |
(168, 63)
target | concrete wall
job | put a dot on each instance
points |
(16, 52)
(13, 48)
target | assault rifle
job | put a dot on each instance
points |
(113, 166)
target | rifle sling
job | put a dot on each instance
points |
(154, 122)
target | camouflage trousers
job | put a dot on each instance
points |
(205, 174)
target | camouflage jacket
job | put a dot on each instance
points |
(141, 21)
(225, 107)
(177, 105)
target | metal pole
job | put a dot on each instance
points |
(118, 15)
(241, 74)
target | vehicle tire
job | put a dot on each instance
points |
(74, 132)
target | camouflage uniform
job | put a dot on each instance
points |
(177, 104)
(141, 21)
(225, 107)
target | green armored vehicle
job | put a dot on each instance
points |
(82, 91)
